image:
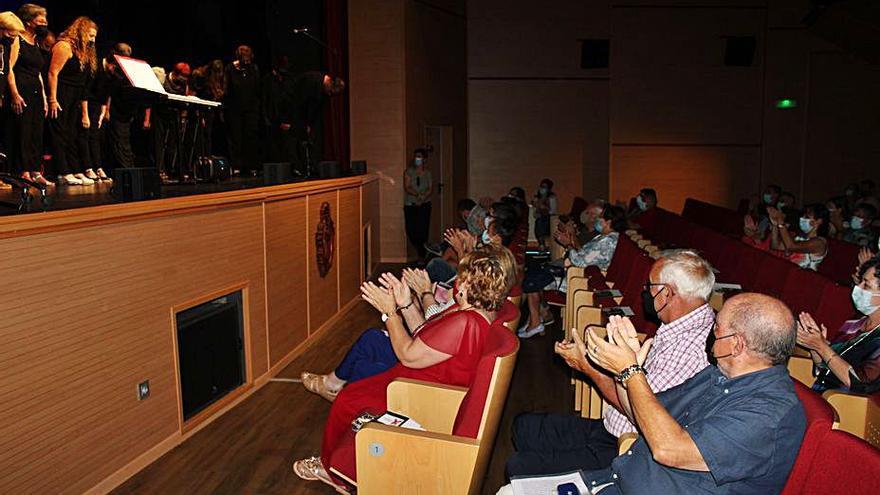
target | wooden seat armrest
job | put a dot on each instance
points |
(432, 405)
(851, 410)
(391, 459)
(625, 441)
(801, 369)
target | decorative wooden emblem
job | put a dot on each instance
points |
(325, 238)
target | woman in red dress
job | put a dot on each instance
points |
(445, 349)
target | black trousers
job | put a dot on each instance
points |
(242, 127)
(418, 224)
(282, 145)
(91, 140)
(24, 134)
(65, 132)
(119, 143)
(556, 443)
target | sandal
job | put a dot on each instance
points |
(317, 385)
(312, 469)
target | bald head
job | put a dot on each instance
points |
(765, 323)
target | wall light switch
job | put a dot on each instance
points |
(143, 389)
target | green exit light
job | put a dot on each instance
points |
(786, 103)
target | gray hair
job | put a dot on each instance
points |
(766, 324)
(691, 275)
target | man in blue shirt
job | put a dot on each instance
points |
(734, 428)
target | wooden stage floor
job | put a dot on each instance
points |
(251, 448)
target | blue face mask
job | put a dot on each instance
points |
(768, 198)
(419, 161)
(863, 300)
(597, 225)
(641, 203)
(856, 223)
(486, 238)
(806, 225)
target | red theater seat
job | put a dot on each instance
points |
(772, 273)
(840, 262)
(803, 290)
(845, 464)
(835, 308)
(820, 417)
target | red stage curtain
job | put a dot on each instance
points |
(336, 128)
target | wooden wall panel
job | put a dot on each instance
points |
(91, 317)
(719, 175)
(370, 210)
(323, 291)
(514, 143)
(287, 283)
(376, 36)
(349, 242)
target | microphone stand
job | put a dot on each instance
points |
(309, 35)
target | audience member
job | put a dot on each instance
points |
(444, 350)
(678, 289)
(810, 246)
(597, 252)
(859, 230)
(546, 206)
(852, 360)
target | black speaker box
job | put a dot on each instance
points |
(595, 53)
(277, 173)
(358, 167)
(136, 184)
(329, 170)
(740, 51)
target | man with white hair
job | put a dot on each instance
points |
(677, 290)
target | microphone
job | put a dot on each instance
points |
(300, 30)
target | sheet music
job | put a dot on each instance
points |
(547, 485)
(141, 76)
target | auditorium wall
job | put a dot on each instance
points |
(407, 71)
(668, 113)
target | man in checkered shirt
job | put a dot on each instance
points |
(678, 288)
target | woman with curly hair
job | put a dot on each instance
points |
(73, 59)
(445, 349)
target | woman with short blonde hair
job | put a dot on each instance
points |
(10, 27)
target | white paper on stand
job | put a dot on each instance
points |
(547, 485)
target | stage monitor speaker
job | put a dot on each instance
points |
(595, 53)
(277, 173)
(136, 184)
(329, 170)
(740, 51)
(358, 167)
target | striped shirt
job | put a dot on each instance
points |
(678, 353)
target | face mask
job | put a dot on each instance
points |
(641, 203)
(543, 191)
(652, 313)
(597, 225)
(862, 299)
(486, 222)
(831, 209)
(768, 198)
(41, 31)
(486, 238)
(806, 225)
(419, 161)
(856, 223)
(781, 205)
(718, 340)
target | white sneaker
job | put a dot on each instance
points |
(102, 175)
(89, 173)
(84, 180)
(526, 333)
(68, 180)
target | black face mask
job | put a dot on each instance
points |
(648, 309)
(41, 31)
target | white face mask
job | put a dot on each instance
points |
(641, 203)
(863, 300)
(419, 161)
(486, 222)
(486, 238)
(856, 223)
(806, 225)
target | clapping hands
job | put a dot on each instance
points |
(811, 335)
(460, 240)
(418, 280)
(622, 349)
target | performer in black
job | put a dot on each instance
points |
(242, 108)
(277, 109)
(312, 90)
(122, 107)
(27, 99)
(164, 122)
(73, 59)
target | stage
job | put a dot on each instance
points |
(70, 197)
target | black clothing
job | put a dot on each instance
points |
(553, 443)
(417, 219)
(242, 107)
(25, 131)
(5, 50)
(277, 109)
(67, 140)
(309, 99)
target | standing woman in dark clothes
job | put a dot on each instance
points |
(73, 59)
(27, 98)
(10, 28)
(242, 106)
(213, 88)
